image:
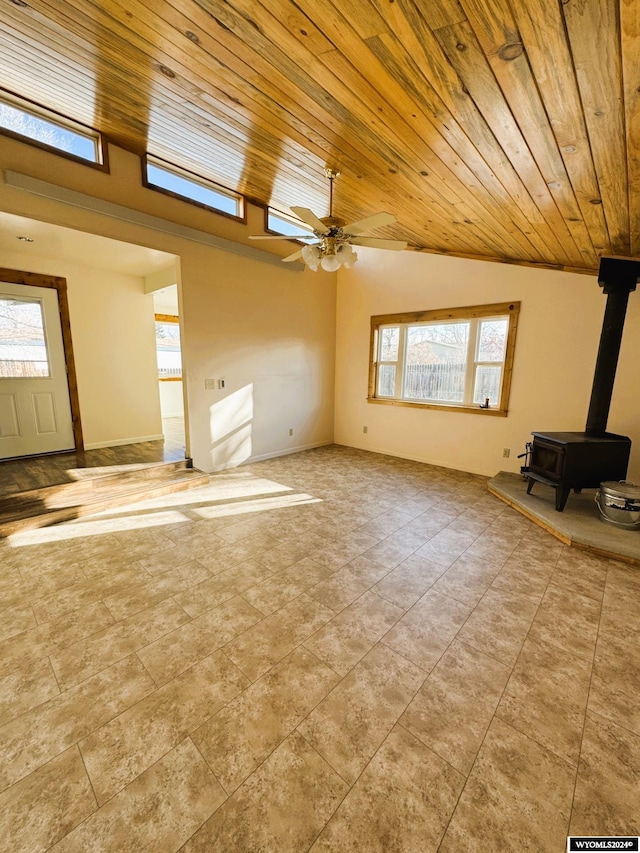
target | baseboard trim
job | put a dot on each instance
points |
(276, 453)
(423, 459)
(118, 442)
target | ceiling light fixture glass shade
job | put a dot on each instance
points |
(311, 256)
(329, 257)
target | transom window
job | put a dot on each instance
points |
(46, 128)
(178, 182)
(284, 223)
(458, 359)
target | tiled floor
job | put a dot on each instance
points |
(331, 651)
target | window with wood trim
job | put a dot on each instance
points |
(180, 183)
(458, 359)
(168, 347)
(47, 129)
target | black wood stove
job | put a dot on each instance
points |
(583, 460)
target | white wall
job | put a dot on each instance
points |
(558, 334)
(269, 331)
(113, 338)
(171, 399)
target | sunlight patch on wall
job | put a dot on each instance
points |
(230, 428)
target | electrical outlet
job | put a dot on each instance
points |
(220, 383)
(365, 429)
(290, 432)
(506, 453)
(210, 384)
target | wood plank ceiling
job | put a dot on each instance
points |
(499, 129)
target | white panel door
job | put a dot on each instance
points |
(35, 410)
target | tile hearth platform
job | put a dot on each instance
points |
(579, 525)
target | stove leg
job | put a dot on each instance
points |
(562, 493)
(530, 485)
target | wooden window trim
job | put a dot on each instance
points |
(510, 309)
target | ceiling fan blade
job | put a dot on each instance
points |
(282, 237)
(369, 223)
(374, 243)
(295, 257)
(309, 217)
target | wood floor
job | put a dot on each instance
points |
(333, 651)
(35, 472)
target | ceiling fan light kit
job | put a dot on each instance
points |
(335, 239)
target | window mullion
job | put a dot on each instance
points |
(400, 366)
(472, 353)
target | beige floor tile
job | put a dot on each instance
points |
(19, 592)
(292, 551)
(453, 709)
(79, 661)
(135, 598)
(393, 549)
(567, 620)
(212, 592)
(517, 797)
(615, 686)
(430, 523)
(88, 591)
(349, 725)
(386, 523)
(582, 573)
(46, 805)
(620, 608)
(347, 638)
(26, 688)
(142, 543)
(608, 786)
(279, 589)
(282, 807)
(37, 736)
(546, 698)
(240, 736)
(260, 647)
(46, 639)
(218, 558)
(15, 620)
(125, 747)
(446, 546)
(499, 624)
(167, 559)
(467, 579)
(409, 581)
(348, 583)
(401, 803)
(178, 650)
(425, 631)
(158, 811)
(337, 554)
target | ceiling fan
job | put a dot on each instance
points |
(334, 238)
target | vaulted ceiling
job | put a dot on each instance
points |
(499, 129)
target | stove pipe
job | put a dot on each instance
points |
(618, 278)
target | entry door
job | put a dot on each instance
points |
(35, 410)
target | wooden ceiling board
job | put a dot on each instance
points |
(489, 128)
(630, 29)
